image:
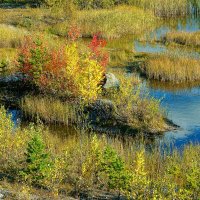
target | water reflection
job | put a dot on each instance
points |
(149, 48)
(183, 108)
(181, 101)
(148, 45)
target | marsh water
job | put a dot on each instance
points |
(182, 102)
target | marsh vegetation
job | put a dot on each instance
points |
(88, 166)
(61, 54)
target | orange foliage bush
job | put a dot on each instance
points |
(66, 70)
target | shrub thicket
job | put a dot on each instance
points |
(66, 70)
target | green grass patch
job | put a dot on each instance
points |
(115, 23)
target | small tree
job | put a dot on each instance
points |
(37, 160)
(118, 177)
(33, 58)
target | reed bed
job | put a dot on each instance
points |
(183, 38)
(172, 68)
(115, 23)
(50, 110)
(165, 8)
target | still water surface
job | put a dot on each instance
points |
(182, 103)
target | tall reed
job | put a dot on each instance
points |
(165, 8)
(10, 37)
(183, 38)
(172, 68)
(115, 23)
(50, 109)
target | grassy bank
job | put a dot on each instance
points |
(60, 112)
(183, 38)
(165, 8)
(91, 166)
(172, 68)
(11, 37)
(126, 106)
(115, 23)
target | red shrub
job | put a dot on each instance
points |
(48, 68)
(96, 46)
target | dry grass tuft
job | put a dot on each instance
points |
(10, 36)
(173, 69)
(183, 38)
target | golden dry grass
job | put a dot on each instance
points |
(115, 23)
(183, 38)
(10, 37)
(174, 69)
(165, 8)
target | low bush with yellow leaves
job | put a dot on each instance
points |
(65, 71)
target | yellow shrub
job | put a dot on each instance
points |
(14, 141)
(84, 73)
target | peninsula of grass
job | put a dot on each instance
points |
(168, 68)
(191, 39)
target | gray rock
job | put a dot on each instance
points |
(101, 110)
(12, 78)
(111, 81)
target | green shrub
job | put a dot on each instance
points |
(3, 66)
(37, 159)
(118, 176)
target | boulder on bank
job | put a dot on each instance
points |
(111, 81)
(102, 110)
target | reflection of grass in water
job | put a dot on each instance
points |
(121, 51)
(173, 87)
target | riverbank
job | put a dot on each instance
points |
(114, 112)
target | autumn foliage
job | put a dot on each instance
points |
(65, 70)
(96, 46)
